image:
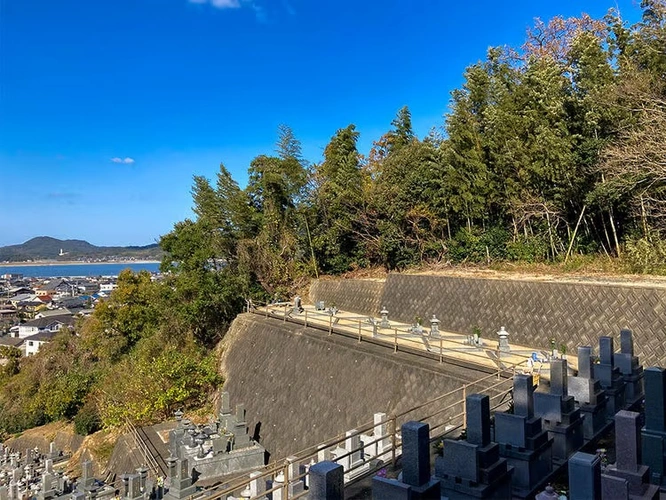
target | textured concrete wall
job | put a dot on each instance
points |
(534, 311)
(305, 387)
(359, 296)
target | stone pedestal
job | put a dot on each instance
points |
(630, 369)
(326, 481)
(609, 377)
(561, 418)
(180, 480)
(589, 395)
(522, 440)
(653, 435)
(627, 478)
(414, 482)
(584, 477)
(473, 468)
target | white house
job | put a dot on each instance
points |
(51, 324)
(107, 287)
(35, 342)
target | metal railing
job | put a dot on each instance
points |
(380, 443)
(441, 346)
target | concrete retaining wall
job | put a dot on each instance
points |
(533, 311)
(304, 387)
(359, 296)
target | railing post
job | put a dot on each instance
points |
(285, 488)
(394, 440)
(464, 402)
(330, 324)
(441, 351)
(395, 344)
(306, 318)
(359, 330)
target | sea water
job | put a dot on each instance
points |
(75, 270)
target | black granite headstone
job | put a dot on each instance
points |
(478, 419)
(558, 377)
(585, 362)
(415, 453)
(523, 396)
(655, 399)
(584, 476)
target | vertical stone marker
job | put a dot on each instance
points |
(630, 369)
(610, 378)
(653, 435)
(628, 473)
(522, 440)
(587, 392)
(326, 481)
(473, 468)
(584, 477)
(415, 481)
(560, 416)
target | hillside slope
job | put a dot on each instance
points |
(47, 248)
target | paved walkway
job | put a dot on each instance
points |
(444, 344)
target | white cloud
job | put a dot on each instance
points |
(225, 4)
(126, 161)
(220, 4)
(257, 6)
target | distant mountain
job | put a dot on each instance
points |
(46, 248)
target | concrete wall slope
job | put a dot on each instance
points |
(535, 311)
(359, 296)
(305, 387)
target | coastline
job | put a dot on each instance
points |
(74, 263)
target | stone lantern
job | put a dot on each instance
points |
(503, 340)
(384, 323)
(434, 326)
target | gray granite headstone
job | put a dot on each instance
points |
(558, 377)
(614, 488)
(627, 440)
(478, 419)
(326, 481)
(390, 489)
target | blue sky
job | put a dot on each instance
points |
(109, 107)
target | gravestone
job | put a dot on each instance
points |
(653, 435)
(589, 395)
(522, 440)
(628, 468)
(180, 480)
(414, 482)
(87, 479)
(326, 481)
(584, 476)
(561, 418)
(609, 377)
(630, 369)
(473, 468)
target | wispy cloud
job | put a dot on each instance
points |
(260, 10)
(125, 161)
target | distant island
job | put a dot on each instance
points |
(45, 248)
